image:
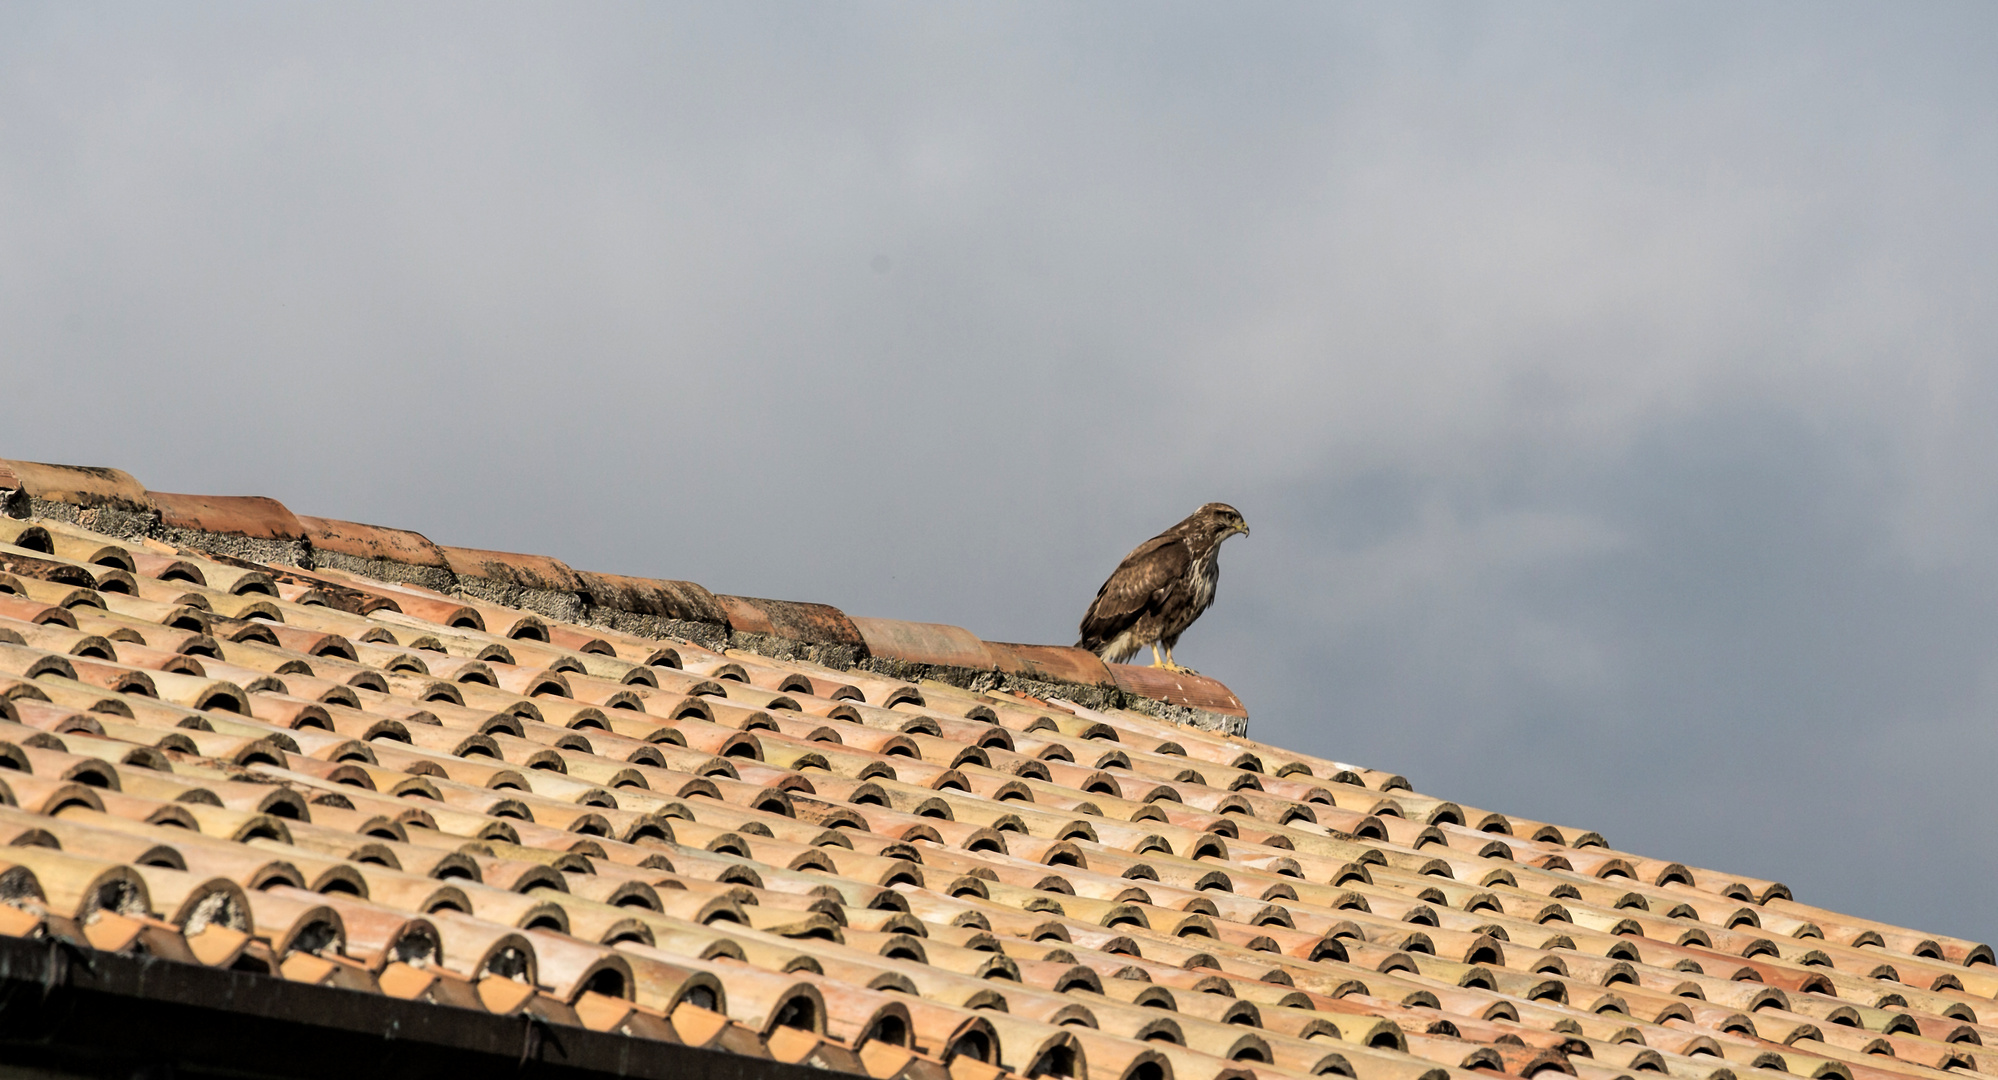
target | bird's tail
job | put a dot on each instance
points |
(1115, 651)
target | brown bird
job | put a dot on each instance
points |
(1161, 588)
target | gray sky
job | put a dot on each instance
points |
(1609, 387)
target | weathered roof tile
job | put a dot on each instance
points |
(241, 515)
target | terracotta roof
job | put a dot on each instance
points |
(450, 790)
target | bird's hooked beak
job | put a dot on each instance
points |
(1243, 528)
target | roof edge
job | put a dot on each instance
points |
(265, 530)
(82, 1008)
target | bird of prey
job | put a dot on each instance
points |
(1159, 589)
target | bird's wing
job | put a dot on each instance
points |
(1142, 580)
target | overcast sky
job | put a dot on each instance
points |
(1610, 388)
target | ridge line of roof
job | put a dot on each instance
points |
(264, 530)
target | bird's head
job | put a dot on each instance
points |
(1222, 520)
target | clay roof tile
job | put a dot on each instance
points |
(77, 485)
(526, 571)
(241, 515)
(372, 542)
